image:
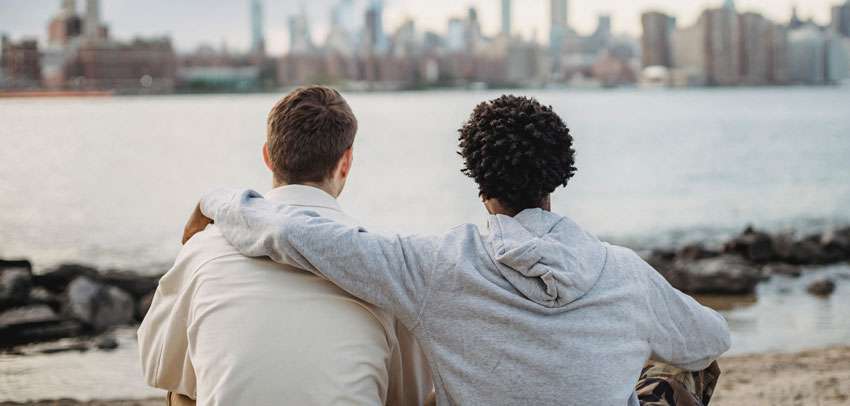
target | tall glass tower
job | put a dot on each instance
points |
(258, 40)
(506, 18)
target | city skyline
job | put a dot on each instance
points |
(230, 23)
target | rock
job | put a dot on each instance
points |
(15, 285)
(133, 284)
(143, 305)
(97, 305)
(821, 287)
(835, 245)
(753, 245)
(76, 346)
(27, 315)
(106, 342)
(39, 295)
(662, 261)
(694, 252)
(34, 323)
(57, 280)
(783, 270)
(726, 274)
(15, 263)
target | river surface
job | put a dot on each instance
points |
(110, 182)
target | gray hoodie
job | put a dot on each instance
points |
(537, 312)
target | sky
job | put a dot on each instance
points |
(193, 22)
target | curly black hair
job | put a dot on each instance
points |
(517, 151)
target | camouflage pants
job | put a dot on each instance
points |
(663, 385)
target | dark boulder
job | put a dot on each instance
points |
(39, 295)
(97, 305)
(57, 279)
(132, 283)
(106, 342)
(143, 305)
(821, 287)
(662, 261)
(34, 323)
(15, 286)
(726, 274)
(835, 245)
(78, 346)
(753, 245)
(816, 249)
(15, 263)
(695, 252)
(27, 315)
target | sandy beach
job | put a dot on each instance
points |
(816, 377)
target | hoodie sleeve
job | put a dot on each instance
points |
(390, 271)
(682, 332)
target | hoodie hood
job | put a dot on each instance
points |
(548, 258)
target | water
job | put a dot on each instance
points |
(110, 182)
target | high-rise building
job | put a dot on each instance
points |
(837, 58)
(779, 74)
(300, 41)
(558, 18)
(20, 63)
(690, 57)
(724, 58)
(807, 55)
(473, 30)
(64, 26)
(456, 35)
(506, 18)
(91, 23)
(258, 38)
(558, 28)
(376, 40)
(601, 38)
(656, 40)
(841, 19)
(755, 47)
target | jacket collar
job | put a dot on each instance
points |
(302, 195)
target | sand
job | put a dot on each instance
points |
(817, 377)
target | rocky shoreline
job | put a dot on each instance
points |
(82, 302)
(738, 265)
(68, 301)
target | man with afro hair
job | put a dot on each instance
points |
(535, 311)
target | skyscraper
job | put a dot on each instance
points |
(656, 40)
(559, 14)
(258, 40)
(841, 19)
(375, 36)
(724, 57)
(91, 24)
(300, 41)
(558, 23)
(506, 18)
(756, 43)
